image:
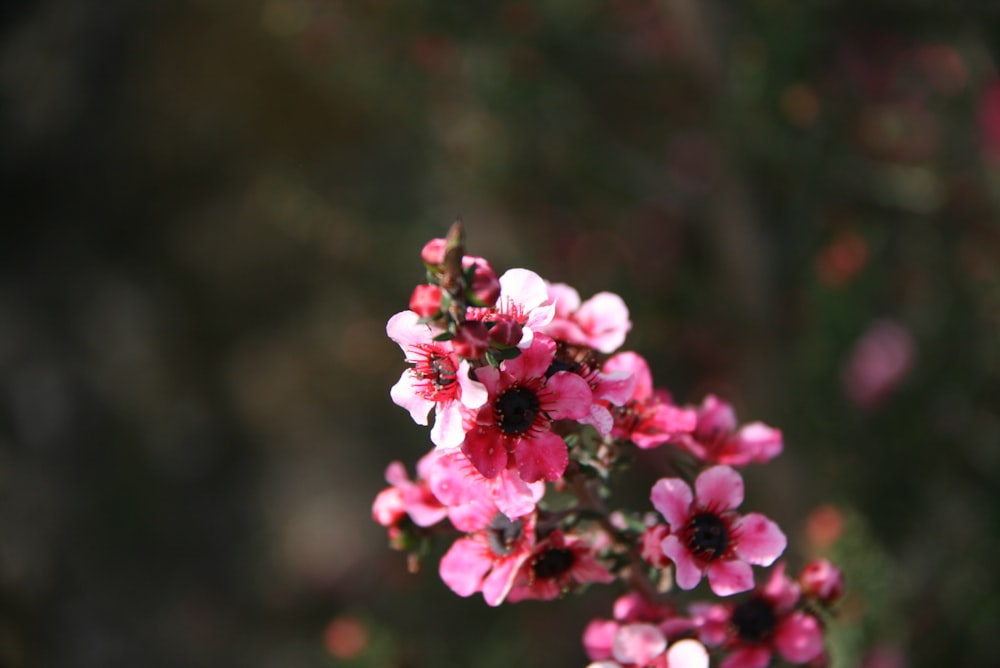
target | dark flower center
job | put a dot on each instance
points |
(553, 563)
(516, 410)
(503, 533)
(754, 620)
(708, 536)
(443, 371)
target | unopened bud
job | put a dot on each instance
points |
(484, 289)
(426, 300)
(821, 580)
(506, 333)
(433, 252)
(651, 551)
(472, 339)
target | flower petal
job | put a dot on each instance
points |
(449, 425)
(486, 450)
(730, 577)
(405, 395)
(638, 644)
(636, 365)
(463, 566)
(497, 584)
(567, 396)
(799, 637)
(672, 497)
(524, 287)
(761, 541)
(541, 458)
(719, 487)
(514, 497)
(687, 653)
(605, 319)
(474, 393)
(687, 573)
(748, 657)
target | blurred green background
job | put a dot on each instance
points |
(211, 207)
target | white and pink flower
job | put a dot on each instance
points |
(438, 380)
(601, 322)
(707, 535)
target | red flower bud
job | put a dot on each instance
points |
(485, 287)
(433, 252)
(426, 300)
(472, 339)
(506, 333)
(822, 580)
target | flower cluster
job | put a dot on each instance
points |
(535, 413)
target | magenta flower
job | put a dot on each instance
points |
(557, 564)
(717, 440)
(512, 429)
(488, 559)
(648, 418)
(707, 535)
(438, 380)
(601, 322)
(768, 622)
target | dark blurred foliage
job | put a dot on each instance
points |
(211, 207)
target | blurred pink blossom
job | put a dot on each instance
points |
(879, 361)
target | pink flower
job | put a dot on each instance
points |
(707, 536)
(601, 322)
(512, 429)
(437, 380)
(523, 300)
(488, 559)
(822, 580)
(648, 418)
(879, 362)
(716, 438)
(457, 484)
(557, 564)
(406, 498)
(769, 622)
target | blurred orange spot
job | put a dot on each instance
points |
(842, 259)
(824, 525)
(801, 105)
(345, 637)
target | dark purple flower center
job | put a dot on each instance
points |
(553, 563)
(754, 620)
(503, 534)
(707, 536)
(516, 410)
(443, 371)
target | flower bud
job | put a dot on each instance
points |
(484, 289)
(433, 252)
(426, 300)
(650, 548)
(506, 333)
(822, 580)
(472, 339)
